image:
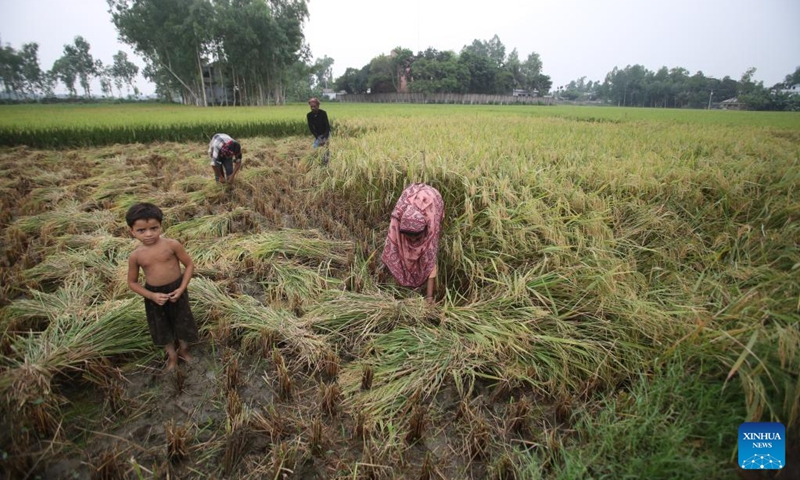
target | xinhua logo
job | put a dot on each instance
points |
(762, 446)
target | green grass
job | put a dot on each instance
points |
(83, 116)
(677, 422)
(59, 126)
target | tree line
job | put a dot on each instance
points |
(483, 67)
(23, 77)
(636, 86)
(254, 52)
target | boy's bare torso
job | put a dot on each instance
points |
(159, 262)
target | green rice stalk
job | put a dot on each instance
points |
(410, 362)
(302, 245)
(353, 319)
(68, 343)
(59, 267)
(239, 219)
(77, 296)
(297, 284)
(254, 320)
(68, 218)
(69, 340)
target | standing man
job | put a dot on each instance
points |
(226, 153)
(318, 123)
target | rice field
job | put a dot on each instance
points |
(618, 290)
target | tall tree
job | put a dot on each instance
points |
(792, 78)
(83, 63)
(49, 82)
(323, 74)
(244, 36)
(258, 43)
(637, 86)
(514, 68)
(439, 72)
(11, 70)
(381, 75)
(353, 80)
(301, 82)
(636, 76)
(123, 72)
(32, 74)
(65, 71)
(496, 51)
(746, 84)
(106, 80)
(481, 59)
(659, 88)
(725, 89)
(402, 59)
(533, 78)
(20, 71)
(173, 37)
(289, 18)
(76, 64)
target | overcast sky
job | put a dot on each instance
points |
(574, 38)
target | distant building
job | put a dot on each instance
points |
(793, 90)
(219, 90)
(328, 94)
(731, 104)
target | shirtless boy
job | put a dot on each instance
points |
(166, 300)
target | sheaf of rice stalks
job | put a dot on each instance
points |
(254, 320)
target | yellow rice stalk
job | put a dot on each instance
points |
(254, 320)
(239, 219)
(60, 267)
(354, 318)
(210, 257)
(411, 361)
(76, 297)
(302, 245)
(68, 218)
(296, 284)
(192, 183)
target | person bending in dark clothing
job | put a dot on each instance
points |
(318, 123)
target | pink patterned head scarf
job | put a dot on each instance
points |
(231, 149)
(413, 221)
(412, 244)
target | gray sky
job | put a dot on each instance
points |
(574, 38)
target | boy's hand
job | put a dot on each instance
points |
(174, 296)
(160, 298)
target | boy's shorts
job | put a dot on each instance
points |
(173, 320)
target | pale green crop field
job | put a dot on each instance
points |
(47, 116)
